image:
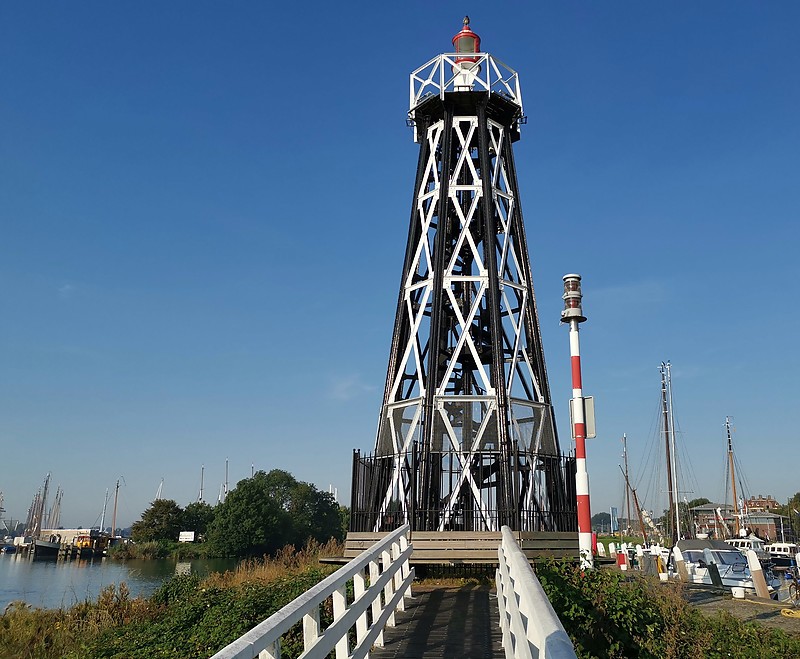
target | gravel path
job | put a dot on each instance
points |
(751, 609)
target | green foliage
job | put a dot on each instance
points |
(56, 633)
(601, 522)
(197, 621)
(792, 511)
(344, 520)
(196, 517)
(270, 510)
(698, 502)
(250, 522)
(161, 521)
(152, 549)
(313, 514)
(261, 515)
(156, 549)
(611, 614)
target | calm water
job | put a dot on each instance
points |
(53, 584)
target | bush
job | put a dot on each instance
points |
(614, 614)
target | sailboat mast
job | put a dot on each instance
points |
(627, 485)
(676, 491)
(733, 477)
(54, 518)
(114, 515)
(103, 516)
(635, 503)
(670, 489)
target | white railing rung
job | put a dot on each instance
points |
(442, 74)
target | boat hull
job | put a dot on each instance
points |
(46, 549)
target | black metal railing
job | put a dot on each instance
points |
(451, 491)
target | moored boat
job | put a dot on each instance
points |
(91, 544)
(751, 542)
(782, 554)
(46, 548)
(731, 564)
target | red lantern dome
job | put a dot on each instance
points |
(466, 42)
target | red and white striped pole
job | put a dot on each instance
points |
(573, 314)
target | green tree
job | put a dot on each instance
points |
(161, 521)
(601, 522)
(269, 511)
(698, 502)
(314, 514)
(251, 521)
(344, 517)
(196, 517)
(792, 511)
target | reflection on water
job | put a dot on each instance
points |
(52, 584)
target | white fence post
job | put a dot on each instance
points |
(374, 573)
(388, 590)
(310, 628)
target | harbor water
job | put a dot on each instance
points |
(54, 584)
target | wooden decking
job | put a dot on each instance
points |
(454, 622)
(470, 547)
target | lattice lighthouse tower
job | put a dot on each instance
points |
(466, 437)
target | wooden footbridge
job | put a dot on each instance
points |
(376, 613)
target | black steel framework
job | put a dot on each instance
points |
(466, 438)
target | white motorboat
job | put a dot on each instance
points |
(730, 562)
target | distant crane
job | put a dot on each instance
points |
(158, 491)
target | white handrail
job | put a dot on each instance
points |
(393, 581)
(443, 73)
(529, 624)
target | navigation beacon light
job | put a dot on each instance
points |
(573, 310)
(466, 42)
(466, 68)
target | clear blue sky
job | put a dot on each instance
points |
(204, 206)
